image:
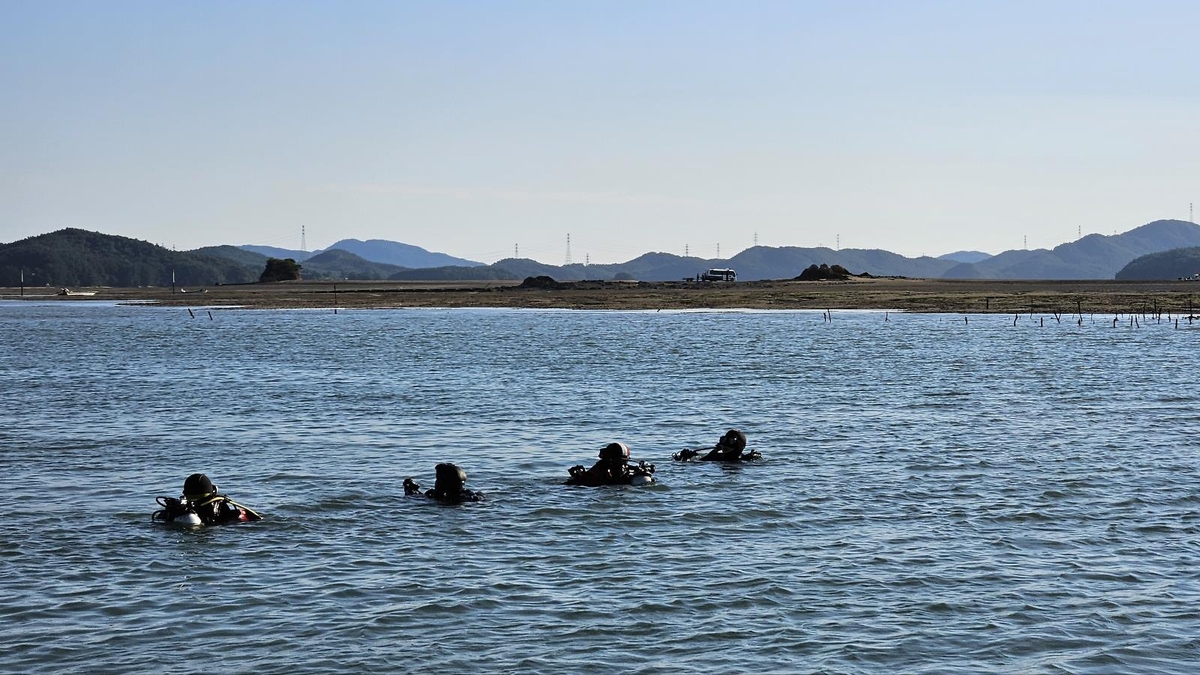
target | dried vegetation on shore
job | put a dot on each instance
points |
(915, 295)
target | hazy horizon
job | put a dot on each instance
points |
(921, 128)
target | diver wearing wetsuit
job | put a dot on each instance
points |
(200, 497)
(447, 486)
(612, 469)
(731, 448)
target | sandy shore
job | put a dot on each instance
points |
(915, 295)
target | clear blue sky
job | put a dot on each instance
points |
(918, 127)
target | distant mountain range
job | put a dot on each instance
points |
(80, 258)
(1092, 257)
(1096, 256)
(335, 263)
(965, 256)
(373, 250)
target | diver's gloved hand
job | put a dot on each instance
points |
(685, 454)
(411, 487)
(576, 470)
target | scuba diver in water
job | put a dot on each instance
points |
(731, 448)
(201, 504)
(447, 486)
(612, 469)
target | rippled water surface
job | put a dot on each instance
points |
(936, 495)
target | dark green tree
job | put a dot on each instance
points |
(280, 270)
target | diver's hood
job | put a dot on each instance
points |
(615, 451)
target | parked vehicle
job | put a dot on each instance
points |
(719, 274)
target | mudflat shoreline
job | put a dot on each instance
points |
(913, 295)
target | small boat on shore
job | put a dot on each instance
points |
(67, 291)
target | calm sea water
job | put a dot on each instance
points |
(936, 496)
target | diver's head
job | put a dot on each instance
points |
(450, 478)
(615, 452)
(734, 439)
(198, 485)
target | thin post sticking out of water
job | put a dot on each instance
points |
(1041, 322)
(22, 283)
(190, 313)
(1015, 317)
(965, 321)
(885, 317)
(1114, 322)
(210, 316)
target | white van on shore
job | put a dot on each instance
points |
(719, 274)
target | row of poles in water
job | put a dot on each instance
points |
(1155, 315)
(827, 315)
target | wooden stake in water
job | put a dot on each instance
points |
(190, 313)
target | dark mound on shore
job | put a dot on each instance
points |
(542, 283)
(824, 273)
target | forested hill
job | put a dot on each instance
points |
(73, 257)
(1179, 263)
